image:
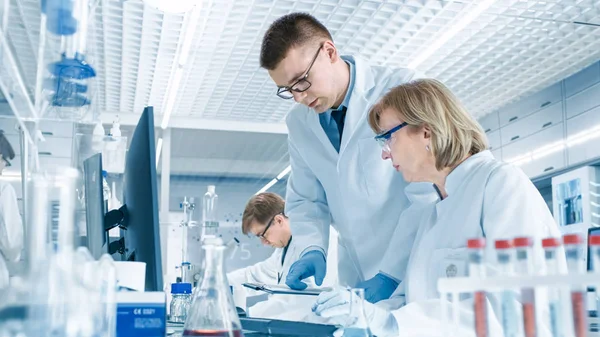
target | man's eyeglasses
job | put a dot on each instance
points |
(262, 235)
(300, 85)
(384, 138)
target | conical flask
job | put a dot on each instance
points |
(213, 312)
(357, 325)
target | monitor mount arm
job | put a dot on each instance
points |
(116, 218)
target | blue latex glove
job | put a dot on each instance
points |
(336, 306)
(379, 287)
(310, 264)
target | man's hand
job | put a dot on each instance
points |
(378, 288)
(310, 264)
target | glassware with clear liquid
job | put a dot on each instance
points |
(357, 325)
(213, 312)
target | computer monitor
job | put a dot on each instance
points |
(142, 234)
(96, 236)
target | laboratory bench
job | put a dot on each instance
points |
(259, 327)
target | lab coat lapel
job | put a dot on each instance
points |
(315, 125)
(358, 106)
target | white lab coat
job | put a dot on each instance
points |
(485, 198)
(356, 191)
(11, 231)
(273, 271)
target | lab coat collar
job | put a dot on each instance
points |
(458, 176)
(356, 109)
(358, 104)
(421, 192)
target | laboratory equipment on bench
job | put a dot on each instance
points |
(576, 265)
(476, 249)
(357, 325)
(524, 266)
(180, 302)
(210, 222)
(186, 223)
(565, 314)
(558, 303)
(213, 312)
(511, 320)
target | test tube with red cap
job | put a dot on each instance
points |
(476, 248)
(574, 249)
(558, 315)
(511, 319)
(595, 255)
(524, 266)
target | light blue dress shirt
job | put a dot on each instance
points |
(327, 122)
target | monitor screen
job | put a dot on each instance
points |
(96, 236)
(142, 238)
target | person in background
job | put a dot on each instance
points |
(11, 225)
(264, 218)
(336, 176)
(428, 136)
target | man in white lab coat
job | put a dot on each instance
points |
(264, 217)
(337, 176)
(11, 226)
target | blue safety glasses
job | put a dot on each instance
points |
(384, 138)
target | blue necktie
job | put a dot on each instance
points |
(339, 116)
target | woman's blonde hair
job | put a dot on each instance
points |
(428, 102)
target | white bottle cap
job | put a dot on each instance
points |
(211, 188)
(115, 131)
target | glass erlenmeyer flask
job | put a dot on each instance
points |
(212, 312)
(357, 325)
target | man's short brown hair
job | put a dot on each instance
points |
(290, 31)
(262, 208)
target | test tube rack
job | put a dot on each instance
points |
(451, 288)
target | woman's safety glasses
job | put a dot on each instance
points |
(384, 138)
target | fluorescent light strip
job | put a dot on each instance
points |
(455, 29)
(274, 181)
(284, 172)
(551, 148)
(267, 186)
(158, 150)
(184, 52)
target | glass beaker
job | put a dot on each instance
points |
(213, 312)
(357, 325)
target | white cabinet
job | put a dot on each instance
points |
(583, 101)
(583, 147)
(545, 149)
(56, 147)
(489, 122)
(56, 129)
(582, 80)
(531, 104)
(531, 124)
(494, 140)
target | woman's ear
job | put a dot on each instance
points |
(426, 132)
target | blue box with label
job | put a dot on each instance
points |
(141, 314)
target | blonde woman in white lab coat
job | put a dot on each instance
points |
(11, 226)
(428, 136)
(264, 218)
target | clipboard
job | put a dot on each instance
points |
(284, 290)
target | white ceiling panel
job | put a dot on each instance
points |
(512, 49)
